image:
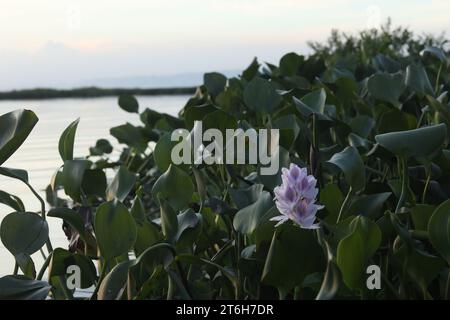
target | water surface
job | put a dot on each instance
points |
(39, 154)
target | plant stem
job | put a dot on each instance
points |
(436, 87)
(344, 204)
(425, 188)
(404, 176)
(44, 267)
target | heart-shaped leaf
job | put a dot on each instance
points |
(175, 186)
(23, 232)
(115, 229)
(350, 163)
(260, 95)
(387, 87)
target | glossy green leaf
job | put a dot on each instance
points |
(294, 253)
(439, 230)
(350, 163)
(249, 218)
(214, 82)
(260, 95)
(421, 214)
(128, 103)
(169, 220)
(163, 151)
(420, 142)
(130, 135)
(72, 177)
(62, 259)
(15, 127)
(245, 197)
(115, 229)
(289, 64)
(387, 87)
(121, 185)
(113, 286)
(23, 232)
(189, 228)
(22, 288)
(11, 201)
(175, 186)
(71, 217)
(436, 52)
(66, 141)
(102, 146)
(417, 79)
(356, 249)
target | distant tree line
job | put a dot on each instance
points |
(89, 92)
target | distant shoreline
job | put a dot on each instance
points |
(89, 92)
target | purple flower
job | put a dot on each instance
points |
(295, 198)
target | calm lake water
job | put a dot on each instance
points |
(39, 154)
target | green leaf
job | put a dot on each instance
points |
(439, 230)
(94, 183)
(26, 264)
(163, 152)
(350, 163)
(19, 174)
(312, 103)
(251, 71)
(356, 249)
(72, 177)
(245, 197)
(175, 186)
(113, 285)
(66, 141)
(22, 288)
(417, 79)
(130, 135)
(128, 103)
(260, 95)
(387, 87)
(214, 82)
(368, 205)
(12, 201)
(23, 232)
(15, 127)
(294, 253)
(102, 146)
(421, 214)
(169, 220)
(71, 217)
(121, 185)
(249, 218)
(290, 63)
(421, 142)
(189, 228)
(115, 229)
(332, 278)
(331, 197)
(436, 52)
(60, 261)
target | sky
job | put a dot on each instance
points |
(70, 43)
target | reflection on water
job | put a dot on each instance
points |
(39, 154)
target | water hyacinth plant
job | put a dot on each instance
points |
(368, 120)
